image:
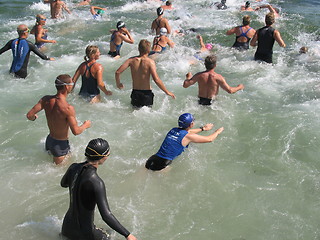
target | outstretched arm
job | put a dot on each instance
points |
(72, 121)
(201, 41)
(190, 80)
(225, 86)
(193, 137)
(6, 47)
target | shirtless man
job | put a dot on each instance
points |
(142, 67)
(56, 7)
(272, 9)
(209, 82)
(60, 117)
(160, 22)
(117, 38)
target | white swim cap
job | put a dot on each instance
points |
(163, 31)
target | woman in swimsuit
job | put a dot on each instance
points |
(160, 42)
(40, 33)
(92, 79)
(243, 33)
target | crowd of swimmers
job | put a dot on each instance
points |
(81, 178)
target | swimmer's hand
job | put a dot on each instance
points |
(53, 41)
(189, 75)
(171, 95)
(51, 59)
(240, 86)
(120, 85)
(87, 124)
(219, 130)
(131, 237)
(207, 127)
(34, 117)
(108, 93)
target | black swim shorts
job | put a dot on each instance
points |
(156, 163)
(113, 54)
(140, 98)
(56, 147)
(205, 101)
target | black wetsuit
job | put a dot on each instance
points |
(89, 88)
(87, 190)
(265, 44)
(21, 49)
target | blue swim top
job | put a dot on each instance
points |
(185, 120)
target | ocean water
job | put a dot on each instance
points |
(259, 180)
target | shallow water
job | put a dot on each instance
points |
(258, 180)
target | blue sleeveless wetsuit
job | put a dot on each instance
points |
(242, 45)
(87, 190)
(89, 88)
(265, 44)
(170, 148)
(21, 49)
(118, 47)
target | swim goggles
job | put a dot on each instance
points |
(60, 83)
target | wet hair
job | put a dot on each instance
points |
(269, 19)
(246, 20)
(97, 149)
(144, 46)
(62, 78)
(39, 17)
(210, 62)
(90, 50)
(303, 50)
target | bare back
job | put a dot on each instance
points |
(141, 68)
(57, 111)
(208, 84)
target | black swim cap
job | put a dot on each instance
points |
(247, 4)
(159, 11)
(97, 149)
(120, 24)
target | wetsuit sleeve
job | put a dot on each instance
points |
(34, 49)
(6, 47)
(105, 212)
(65, 181)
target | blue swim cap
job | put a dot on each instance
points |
(185, 120)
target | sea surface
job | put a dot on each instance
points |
(259, 180)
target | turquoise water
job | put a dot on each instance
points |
(258, 180)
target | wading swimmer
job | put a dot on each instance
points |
(209, 82)
(56, 7)
(142, 67)
(160, 42)
(117, 38)
(178, 139)
(60, 117)
(243, 34)
(246, 7)
(160, 22)
(41, 34)
(265, 37)
(21, 49)
(92, 76)
(87, 190)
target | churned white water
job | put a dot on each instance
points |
(258, 180)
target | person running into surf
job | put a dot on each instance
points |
(87, 190)
(209, 82)
(178, 139)
(160, 42)
(41, 34)
(243, 34)
(21, 49)
(160, 22)
(142, 68)
(60, 117)
(119, 36)
(56, 7)
(92, 76)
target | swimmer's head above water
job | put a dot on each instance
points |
(208, 46)
(163, 31)
(185, 120)
(160, 11)
(97, 149)
(120, 25)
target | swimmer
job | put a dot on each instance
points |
(21, 49)
(178, 139)
(97, 11)
(246, 7)
(117, 38)
(92, 76)
(84, 3)
(41, 34)
(142, 67)
(264, 38)
(60, 117)
(87, 190)
(160, 42)
(243, 34)
(160, 22)
(303, 50)
(220, 6)
(167, 6)
(209, 82)
(56, 7)
(204, 50)
(272, 9)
